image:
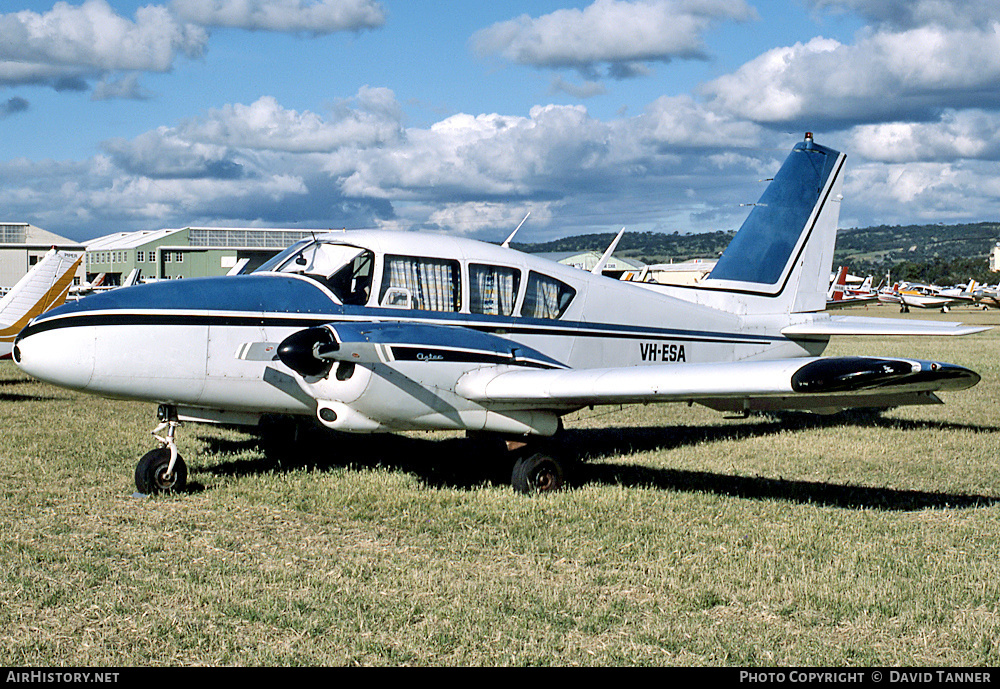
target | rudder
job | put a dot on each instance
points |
(780, 260)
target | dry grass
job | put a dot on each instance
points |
(690, 539)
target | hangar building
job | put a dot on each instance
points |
(185, 253)
(22, 245)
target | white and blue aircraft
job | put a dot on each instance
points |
(371, 331)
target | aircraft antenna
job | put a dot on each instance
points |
(506, 242)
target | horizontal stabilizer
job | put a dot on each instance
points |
(860, 325)
(818, 384)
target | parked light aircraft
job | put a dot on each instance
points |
(372, 331)
(840, 295)
(986, 297)
(932, 296)
(968, 293)
(79, 291)
(43, 287)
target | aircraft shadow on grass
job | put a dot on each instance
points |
(465, 463)
(5, 397)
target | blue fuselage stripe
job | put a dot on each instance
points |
(502, 326)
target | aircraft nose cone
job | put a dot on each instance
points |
(62, 356)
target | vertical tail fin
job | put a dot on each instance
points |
(44, 287)
(779, 261)
(836, 292)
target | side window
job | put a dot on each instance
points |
(546, 297)
(353, 283)
(428, 284)
(493, 289)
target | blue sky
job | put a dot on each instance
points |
(461, 117)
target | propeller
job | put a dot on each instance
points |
(303, 351)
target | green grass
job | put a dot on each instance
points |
(689, 539)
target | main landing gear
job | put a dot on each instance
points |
(535, 469)
(538, 473)
(162, 470)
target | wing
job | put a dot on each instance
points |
(821, 384)
(503, 375)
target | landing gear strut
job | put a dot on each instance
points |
(162, 470)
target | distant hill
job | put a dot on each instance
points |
(943, 254)
(953, 253)
(922, 242)
(648, 247)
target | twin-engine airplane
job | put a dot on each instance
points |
(371, 331)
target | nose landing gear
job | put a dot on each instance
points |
(162, 470)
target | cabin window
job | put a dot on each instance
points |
(428, 284)
(546, 297)
(353, 283)
(493, 289)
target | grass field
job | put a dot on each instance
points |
(690, 539)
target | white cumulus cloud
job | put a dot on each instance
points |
(618, 33)
(372, 118)
(311, 16)
(907, 14)
(70, 43)
(969, 134)
(884, 76)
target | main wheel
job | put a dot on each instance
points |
(151, 473)
(537, 473)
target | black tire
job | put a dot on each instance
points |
(150, 473)
(537, 473)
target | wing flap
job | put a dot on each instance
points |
(819, 383)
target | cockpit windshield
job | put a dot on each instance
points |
(282, 257)
(346, 270)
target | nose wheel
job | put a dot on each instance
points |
(154, 474)
(162, 470)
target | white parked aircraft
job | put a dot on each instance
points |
(927, 297)
(840, 295)
(43, 287)
(371, 331)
